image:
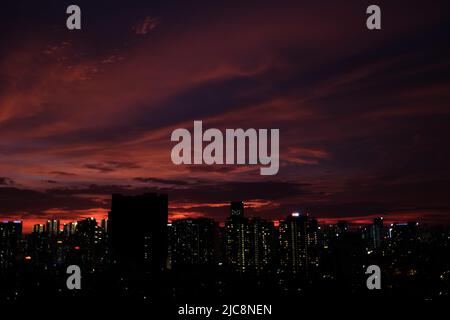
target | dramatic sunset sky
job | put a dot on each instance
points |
(363, 115)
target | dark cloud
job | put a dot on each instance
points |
(161, 181)
(203, 192)
(93, 189)
(15, 200)
(62, 173)
(5, 181)
(110, 166)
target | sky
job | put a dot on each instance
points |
(363, 115)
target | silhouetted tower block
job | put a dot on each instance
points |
(237, 209)
(138, 232)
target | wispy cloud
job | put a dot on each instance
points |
(146, 25)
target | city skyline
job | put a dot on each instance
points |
(29, 225)
(363, 116)
(99, 215)
(148, 260)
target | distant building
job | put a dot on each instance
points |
(10, 235)
(39, 228)
(294, 238)
(193, 242)
(69, 229)
(249, 243)
(378, 232)
(313, 244)
(104, 225)
(348, 253)
(237, 239)
(52, 227)
(374, 234)
(87, 229)
(89, 238)
(404, 236)
(341, 227)
(262, 233)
